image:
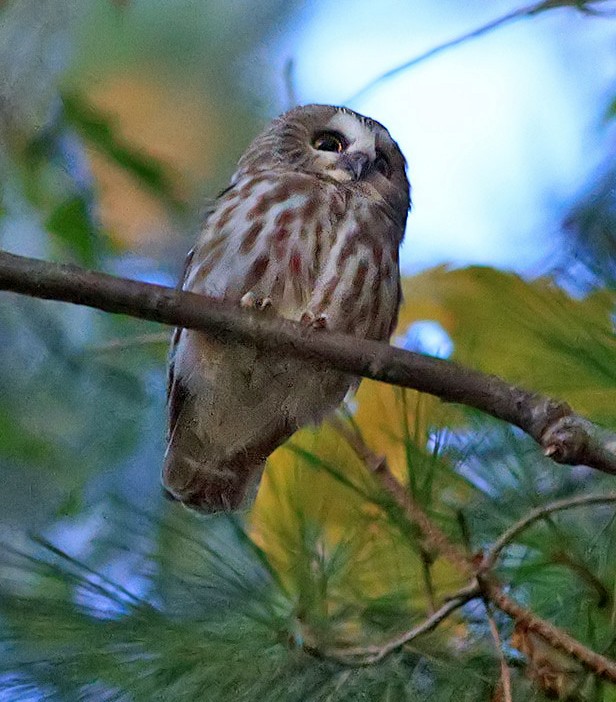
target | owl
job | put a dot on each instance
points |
(308, 229)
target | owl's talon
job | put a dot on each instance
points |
(316, 321)
(253, 302)
(249, 300)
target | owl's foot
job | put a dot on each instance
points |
(316, 321)
(253, 301)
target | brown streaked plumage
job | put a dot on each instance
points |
(309, 229)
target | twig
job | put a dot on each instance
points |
(373, 654)
(557, 638)
(535, 515)
(490, 588)
(433, 537)
(565, 436)
(520, 13)
(505, 679)
(289, 83)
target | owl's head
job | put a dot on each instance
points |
(337, 144)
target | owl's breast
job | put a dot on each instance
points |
(271, 236)
(359, 286)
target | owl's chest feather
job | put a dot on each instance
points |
(307, 245)
(269, 237)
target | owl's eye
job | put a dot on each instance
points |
(382, 164)
(329, 141)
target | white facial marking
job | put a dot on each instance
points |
(359, 136)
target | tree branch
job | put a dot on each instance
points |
(585, 6)
(373, 654)
(565, 436)
(505, 679)
(433, 538)
(557, 638)
(491, 590)
(535, 515)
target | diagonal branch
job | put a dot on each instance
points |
(489, 587)
(504, 685)
(370, 655)
(564, 436)
(559, 639)
(535, 8)
(433, 538)
(535, 515)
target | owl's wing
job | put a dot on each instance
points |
(175, 394)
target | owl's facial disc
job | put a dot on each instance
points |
(345, 150)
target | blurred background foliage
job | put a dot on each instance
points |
(118, 120)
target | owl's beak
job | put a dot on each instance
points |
(355, 163)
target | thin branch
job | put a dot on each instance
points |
(433, 537)
(505, 679)
(535, 515)
(601, 666)
(490, 588)
(289, 83)
(520, 13)
(565, 436)
(373, 654)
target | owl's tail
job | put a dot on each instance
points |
(195, 474)
(206, 483)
